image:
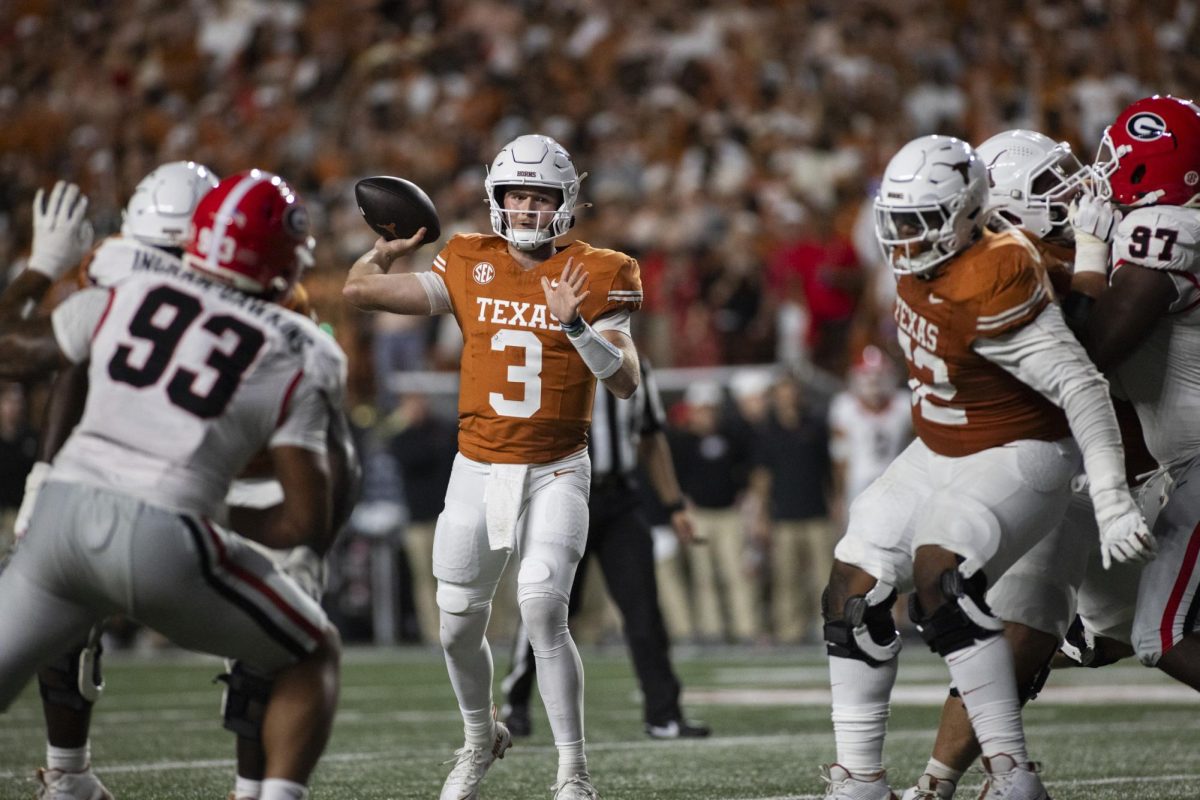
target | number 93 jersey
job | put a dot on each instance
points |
(962, 402)
(525, 395)
(1162, 377)
(187, 380)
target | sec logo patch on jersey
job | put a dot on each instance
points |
(483, 273)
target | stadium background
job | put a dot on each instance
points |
(731, 146)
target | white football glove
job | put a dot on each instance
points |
(1123, 532)
(33, 484)
(61, 233)
(1093, 221)
(305, 567)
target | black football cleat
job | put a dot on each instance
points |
(678, 729)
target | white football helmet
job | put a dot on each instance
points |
(161, 207)
(1033, 181)
(930, 204)
(533, 160)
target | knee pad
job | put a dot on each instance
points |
(73, 680)
(540, 577)
(545, 620)
(960, 621)
(866, 632)
(244, 702)
(459, 598)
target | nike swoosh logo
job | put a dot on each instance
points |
(560, 472)
(976, 689)
(935, 300)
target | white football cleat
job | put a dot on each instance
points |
(57, 784)
(577, 787)
(844, 786)
(930, 788)
(1007, 780)
(471, 764)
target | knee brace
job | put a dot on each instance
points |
(244, 703)
(866, 631)
(73, 680)
(960, 621)
(545, 621)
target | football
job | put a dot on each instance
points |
(396, 208)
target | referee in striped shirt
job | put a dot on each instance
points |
(622, 433)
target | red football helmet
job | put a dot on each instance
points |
(1151, 154)
(251, 231)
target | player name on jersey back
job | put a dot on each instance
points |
(188, 378)
(525, 395)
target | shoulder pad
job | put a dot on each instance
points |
(114, 260)
(1159, 237)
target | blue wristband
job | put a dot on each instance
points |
(573, 328)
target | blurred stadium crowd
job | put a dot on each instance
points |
(731, 146)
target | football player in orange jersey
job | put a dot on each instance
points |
(1033, 181)
(540, 324)
(993, 368)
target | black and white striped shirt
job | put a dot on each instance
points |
(618, 426)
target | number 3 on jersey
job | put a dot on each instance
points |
(528, 375)
(939, 386)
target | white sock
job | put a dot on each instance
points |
(469, 663)
(987, 684)
(943, 772)
(68, 759)
(861, 703)
(279, 789)
(246, 788)
(571, 760)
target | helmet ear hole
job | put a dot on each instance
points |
(1138, 173)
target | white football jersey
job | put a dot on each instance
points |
(115, 257)
(1162, 377)
(868, 440)
(188, 379)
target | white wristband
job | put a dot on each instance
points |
(1091, 254)
(602, 357)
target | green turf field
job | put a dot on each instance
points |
(1121, 732)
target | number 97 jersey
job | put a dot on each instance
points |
(1162, 377)
(525, 395)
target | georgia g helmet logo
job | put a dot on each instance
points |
(1146, 126)
(483, 273)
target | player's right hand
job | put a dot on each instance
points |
(1123, 532)
(61, 233)
(33, 485)
(385, 252)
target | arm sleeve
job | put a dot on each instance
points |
(76, 319)
(435, 289)
(1047, 357)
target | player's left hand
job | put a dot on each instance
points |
(565, 296)
(1123, 532)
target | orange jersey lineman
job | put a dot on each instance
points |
(963, 403)
(525, 395)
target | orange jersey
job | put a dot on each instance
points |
(963, 403)
(525, 395)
